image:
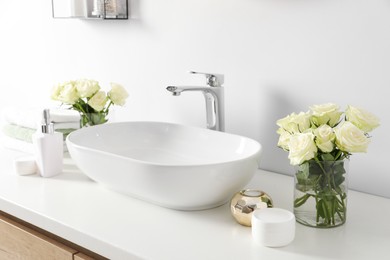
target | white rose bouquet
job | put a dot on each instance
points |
(319, 142)
(86, 97)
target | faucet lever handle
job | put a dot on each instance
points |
(212, 79)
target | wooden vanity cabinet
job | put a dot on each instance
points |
(19, 240)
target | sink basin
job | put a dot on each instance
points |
(171, 165)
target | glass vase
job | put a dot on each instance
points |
(320, 193)
(91, 119)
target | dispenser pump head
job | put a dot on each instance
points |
(47, 127)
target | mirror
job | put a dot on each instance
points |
(90, 9)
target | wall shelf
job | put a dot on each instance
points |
(91, 9)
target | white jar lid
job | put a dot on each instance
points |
(273, 227)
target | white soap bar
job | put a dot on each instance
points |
(273, 227)
(25, 165)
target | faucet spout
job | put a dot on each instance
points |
(177, 90)
(173, 90)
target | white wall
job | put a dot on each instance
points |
(278, 56)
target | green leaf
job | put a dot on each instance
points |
(302, 176)
(315, 169)
(300, 201)
(320, 208)
(327, 157)
(338, 167)
(338, 180)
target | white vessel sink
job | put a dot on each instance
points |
(174, 166)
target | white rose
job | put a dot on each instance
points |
(56, 91)
(325, 114)
(68, 94)
(98, 101)
(324, 138)
(117, 94)
(284, 139)
(302, 148)
(87, 88)
(361, 118)
(349, 138)
(295, 123)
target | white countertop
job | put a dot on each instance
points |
(119, 227)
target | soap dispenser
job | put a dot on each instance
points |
(48, 146)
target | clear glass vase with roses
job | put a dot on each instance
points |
(86, 97)
(319, 143)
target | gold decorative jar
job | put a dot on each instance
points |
(245, 202)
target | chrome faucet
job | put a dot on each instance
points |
(214, 97)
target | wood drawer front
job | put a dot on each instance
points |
(81, 256)
(20, 242)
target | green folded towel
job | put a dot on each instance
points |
(19, 132)
(25, 133)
